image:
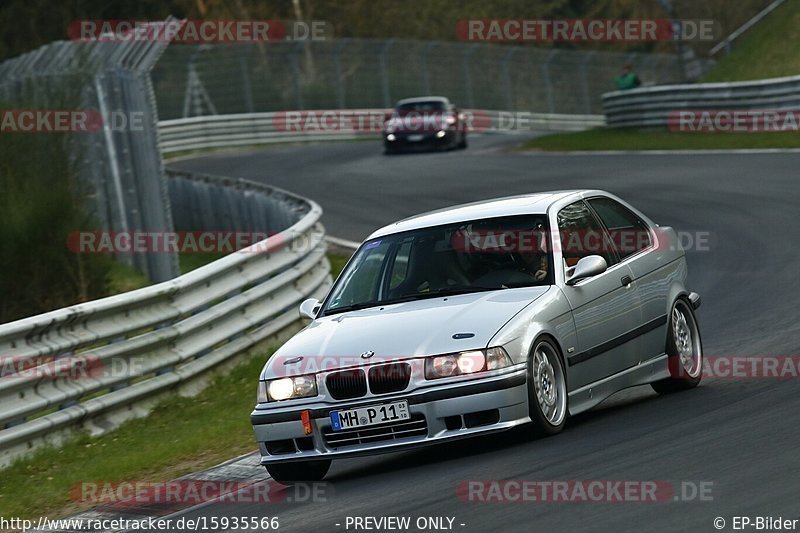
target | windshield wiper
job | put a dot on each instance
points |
(520, 284)
(352, 307)
(443, 291)
(462, 289)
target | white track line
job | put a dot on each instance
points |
(666, 152)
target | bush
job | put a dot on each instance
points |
(40, 204)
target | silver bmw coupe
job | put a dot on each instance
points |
(476, 319)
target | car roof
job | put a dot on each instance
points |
(524, 204)
(422, 99)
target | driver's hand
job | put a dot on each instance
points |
(541, 274)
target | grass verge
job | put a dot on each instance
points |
(122, 278)
(768, 50)
(634, 139)
(181, 435)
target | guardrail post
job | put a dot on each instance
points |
(387, 100)
(467, 75)
(246, 85)
(295, 65)
(654, 61)
(187, 93)
(507, 76)
(547, 81)
(426, 73)
(195, 94)
(337, 62)
(587, 99)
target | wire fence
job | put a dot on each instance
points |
(119, 166)
(193, 80)
(122, 169)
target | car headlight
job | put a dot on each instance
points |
(287, 388)
(459, 364)
(497, 358)
(440, 134)
(390, 137)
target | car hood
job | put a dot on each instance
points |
(403, 330)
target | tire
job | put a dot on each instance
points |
(547, 388)
(684, 355)
(289, 473)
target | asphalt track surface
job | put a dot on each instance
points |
(742, 435)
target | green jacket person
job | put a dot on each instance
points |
(627, 80)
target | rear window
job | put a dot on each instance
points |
(629, 233)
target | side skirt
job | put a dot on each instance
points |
(592, 394)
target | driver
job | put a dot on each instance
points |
(535, 265)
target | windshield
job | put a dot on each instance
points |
(433, 105)
(481, 255)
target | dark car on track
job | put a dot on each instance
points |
(429, 122)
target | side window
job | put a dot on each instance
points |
(582, 235)
(629, 233)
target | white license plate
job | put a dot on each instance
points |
(370, 416)
(415, 138)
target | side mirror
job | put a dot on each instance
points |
(309, 308)
(587, 267)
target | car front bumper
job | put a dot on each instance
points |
(449, 410)
(403, 140)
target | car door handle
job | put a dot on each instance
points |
(626, 280)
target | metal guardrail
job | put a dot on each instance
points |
(650, 107)
(228, 131)
(115, 356)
